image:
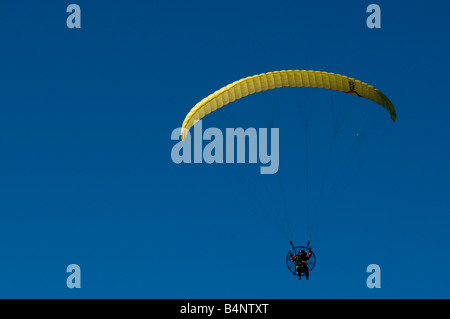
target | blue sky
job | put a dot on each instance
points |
(87, 177)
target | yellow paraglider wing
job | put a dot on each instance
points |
(278, 79)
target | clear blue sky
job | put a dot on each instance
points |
(86, 175)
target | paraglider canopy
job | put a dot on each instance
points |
(285, 78)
